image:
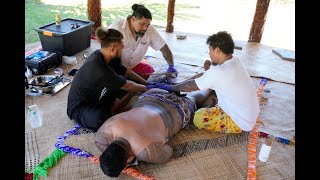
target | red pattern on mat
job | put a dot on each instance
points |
(253, 139)
(28, 176)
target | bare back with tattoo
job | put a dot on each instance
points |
(147, 127)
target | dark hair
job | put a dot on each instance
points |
(223, 40)
(113, 160)
(107, 37)
(139, 11)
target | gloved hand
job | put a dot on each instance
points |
(165, 80)
(171, 68)
(150, 86)
(151, 83)
(164, 86)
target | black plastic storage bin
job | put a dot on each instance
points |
(71, 37)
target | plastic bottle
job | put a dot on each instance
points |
(264, 98)
(265, 151)
(34, 116)
(58, 20)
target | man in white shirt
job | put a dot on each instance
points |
(138, 36)
(238, 106)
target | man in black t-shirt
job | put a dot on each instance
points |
(100, 88)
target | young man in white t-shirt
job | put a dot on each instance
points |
(139, 35)
(238, 106)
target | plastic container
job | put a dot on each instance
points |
(34, 116)
(265, 151)
(58, 71)
(28, 73)
(265, 97)
(72, 60)
(71, 37)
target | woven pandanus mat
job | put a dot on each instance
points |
(198, 154)
(32, 156)
(259, 59)
(211, 156)
(278, 116)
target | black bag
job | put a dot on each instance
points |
(40, 62)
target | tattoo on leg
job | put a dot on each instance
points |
(167, 120)
(143, 156)
(186, 86)
(156, 153)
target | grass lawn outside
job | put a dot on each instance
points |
(192, 16)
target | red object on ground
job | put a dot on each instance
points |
(28, 176)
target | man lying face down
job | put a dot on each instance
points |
(143, 131)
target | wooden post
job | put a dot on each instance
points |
(259, 19)
(94, 14)
(170, 15)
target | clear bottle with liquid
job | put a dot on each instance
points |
(58, 19)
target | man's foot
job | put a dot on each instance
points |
(207, 65)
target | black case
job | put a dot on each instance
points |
(42, 65)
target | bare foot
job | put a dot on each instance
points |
(207, 65)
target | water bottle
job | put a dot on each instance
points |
(265, 151)
(34, 116)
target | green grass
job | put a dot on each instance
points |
(37, 14)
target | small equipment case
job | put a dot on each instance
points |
(40, 61)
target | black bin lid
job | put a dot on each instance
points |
(66, 26)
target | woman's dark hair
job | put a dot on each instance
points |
(107, 37)
(113, 160)
(139, 11)
(223, 40)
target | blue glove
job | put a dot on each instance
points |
(164, 86)
(171, 68)
(150, 86)
(165, 80)
(151, 83)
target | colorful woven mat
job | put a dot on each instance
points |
(42, 168)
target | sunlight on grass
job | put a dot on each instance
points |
(64, 2)
(200, 17)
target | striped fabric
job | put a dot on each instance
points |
(253, 138)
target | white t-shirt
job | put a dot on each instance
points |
(235, 92)
(134, 51)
